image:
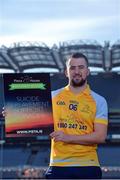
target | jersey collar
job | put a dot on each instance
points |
(87, 90)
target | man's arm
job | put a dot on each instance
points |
(97, 136)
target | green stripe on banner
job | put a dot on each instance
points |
(15, 86)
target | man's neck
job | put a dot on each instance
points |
(77, 90)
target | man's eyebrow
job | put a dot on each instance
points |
(77, 65)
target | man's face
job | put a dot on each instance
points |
(77, 72)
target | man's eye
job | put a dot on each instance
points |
(81, 67)
(72, 68)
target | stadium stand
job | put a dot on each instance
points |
(115, 55)
(5, 61)
(20, 160)
(31, 55)
(92, 49)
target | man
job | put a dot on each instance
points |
(80, 123)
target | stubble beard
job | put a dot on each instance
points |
(78, 84)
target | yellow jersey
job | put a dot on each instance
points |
(76, 114)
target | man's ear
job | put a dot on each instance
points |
(66, 74)
(88, 73)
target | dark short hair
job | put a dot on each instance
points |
(78, 55)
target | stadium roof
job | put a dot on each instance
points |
(28, 55)
(38, 57)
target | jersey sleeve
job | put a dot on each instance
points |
(101, 109)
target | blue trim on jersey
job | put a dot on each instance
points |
(101, 106)
(54, 93)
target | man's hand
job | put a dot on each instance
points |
(95, 137)
(4, 112)
(60, 136)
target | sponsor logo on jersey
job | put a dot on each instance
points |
(74, 102)
(61, 103)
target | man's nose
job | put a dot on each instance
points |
(77, 70)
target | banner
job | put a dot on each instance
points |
(28, 104)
